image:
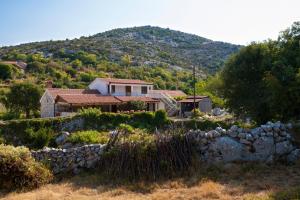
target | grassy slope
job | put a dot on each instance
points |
(235, 182)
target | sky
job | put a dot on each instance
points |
(234, 21)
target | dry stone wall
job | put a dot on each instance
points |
(268, 143)
(72, 159)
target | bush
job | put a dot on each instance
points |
(10, 115)
(89, 137)
(197, 113)
(125, 128)
(19, 170)
(160, 118)
(40, 138)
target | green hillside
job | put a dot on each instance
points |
(156, 54)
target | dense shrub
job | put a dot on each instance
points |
(89, 137)
(160, 118)
(40, 138)
(19, 170)
(196, 113)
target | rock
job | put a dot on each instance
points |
(217, 112)
(242, 135)
(283, 147)
(289, 126)
(62, 138)
(232, 133)
(294, 156)
(227, 148)
(244, 141)
(234, 128)
(263, 148)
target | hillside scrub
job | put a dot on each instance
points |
(19, 170)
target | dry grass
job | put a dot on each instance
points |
(230, 182)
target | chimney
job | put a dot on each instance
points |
(48, 84)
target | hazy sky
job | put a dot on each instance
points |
(235, 21)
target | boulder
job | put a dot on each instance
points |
(61, 139)
(294, 156)
(283, 147)
(226, 148)
(263, 148)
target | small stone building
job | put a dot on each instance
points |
(203, 103)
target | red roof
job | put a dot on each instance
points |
(87, 99)
(125, 81)
(54, 92)
(136, 98)
(173, 93)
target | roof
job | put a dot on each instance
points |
(125, 81)
(173, 93)
(54, 92)
(190, 99)
(136, 98)
(87, 99)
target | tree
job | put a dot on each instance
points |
(262, 79)
(23, 97)
(6, 71)
(126, 60)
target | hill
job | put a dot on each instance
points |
(159, 55)
(150, 46)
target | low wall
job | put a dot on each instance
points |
(268, 143)
(70, 160)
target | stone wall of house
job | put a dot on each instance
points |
(267, 144)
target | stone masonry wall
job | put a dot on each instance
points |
(268, 143)
(70, 160)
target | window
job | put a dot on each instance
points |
(113, 89)
(144, 90)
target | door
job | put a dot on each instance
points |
(128, 90)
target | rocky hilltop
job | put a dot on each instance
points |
(150, 46)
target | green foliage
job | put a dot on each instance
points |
(37, 139)
(212, 87)
(6, 71)
(9, 115)
(196, 113)
(133, 105)
(160, 118)
(23, 97)
(125, 128)
(262, 80)
(19, 170)
(103, 55)
(89, 137)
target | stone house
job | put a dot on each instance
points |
(108, 94)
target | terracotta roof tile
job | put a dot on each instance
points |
(54, 92)
(125, 81)
(87, 99)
